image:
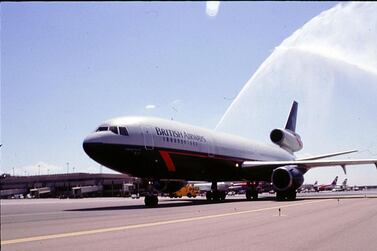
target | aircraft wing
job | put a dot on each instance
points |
(308, 164)
(328, 155)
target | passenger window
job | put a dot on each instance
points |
(123, 131)
(102, 128)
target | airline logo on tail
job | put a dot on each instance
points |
(331, 186)
(291, 122)
(335, 181)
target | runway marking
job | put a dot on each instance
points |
(33, 214)
(143, 225)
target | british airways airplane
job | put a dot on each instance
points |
(168, 154)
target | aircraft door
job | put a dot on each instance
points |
(148, 137)
(211, 148)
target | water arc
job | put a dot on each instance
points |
(330, 67)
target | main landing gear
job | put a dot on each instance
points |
(286, 195)
(251, 190)
(215, 194)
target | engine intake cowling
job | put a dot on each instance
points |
(286, 139)
(287, 178)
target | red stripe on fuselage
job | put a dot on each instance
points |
(205, 156)
(168, 161)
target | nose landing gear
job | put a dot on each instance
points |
(151, 200)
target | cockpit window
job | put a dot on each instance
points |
(102, 128)
(123, 131)
(114, 129)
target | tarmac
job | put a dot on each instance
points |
(320, 221)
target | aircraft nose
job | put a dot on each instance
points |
(91, 145)
(92, 138)
(87, 148)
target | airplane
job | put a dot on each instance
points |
(315, 185)
(241, 187)
(328, 187)
(238, 187)
(342, 187)
(309, 187)
(205, 186)
(169, 153)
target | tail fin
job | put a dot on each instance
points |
(335, 181)
(291, 122)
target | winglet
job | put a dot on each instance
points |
(291, 122)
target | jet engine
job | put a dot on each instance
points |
(286, 139)
(287, 178)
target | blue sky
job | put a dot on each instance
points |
(66, 67)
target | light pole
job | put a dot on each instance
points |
(67, 167)
(39, 170)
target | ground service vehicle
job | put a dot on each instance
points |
(189, 190)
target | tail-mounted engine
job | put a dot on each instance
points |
(287, 178)
(286, 139)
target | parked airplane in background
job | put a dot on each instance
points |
(328, 187)
(241, 187)
(205, 186)
(305, 188)
(342, 187)
(168, 154)
(315, 186)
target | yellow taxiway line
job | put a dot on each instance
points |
(152, 224)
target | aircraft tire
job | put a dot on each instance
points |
(209, 196)
(248, 195)
(255, 195)
(222, 195)
(151, 200)
(280, 196)
(291, 195)
(216, 196)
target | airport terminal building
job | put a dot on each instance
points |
(73, 185)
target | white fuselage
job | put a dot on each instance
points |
(173, 141)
